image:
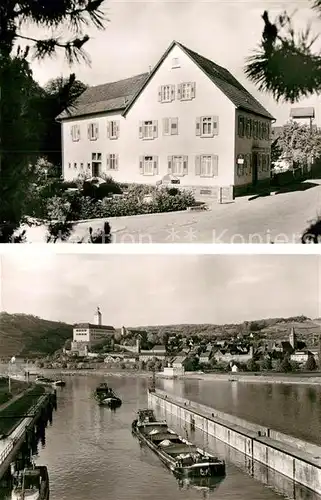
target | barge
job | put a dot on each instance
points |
(183, 458)
(105, 396)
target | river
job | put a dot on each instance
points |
(290, 408)
(91, 453)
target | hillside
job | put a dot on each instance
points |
(30, 336)
(269, 328)
(26, 335)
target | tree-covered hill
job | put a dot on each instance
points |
(30, 336)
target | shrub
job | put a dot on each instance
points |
(310, 365)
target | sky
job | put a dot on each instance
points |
(141, 290)
(138, 33)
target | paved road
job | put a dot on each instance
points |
(280, 217)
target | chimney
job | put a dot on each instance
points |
(149, 69)
(97, 317)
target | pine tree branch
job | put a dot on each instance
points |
(73, 48)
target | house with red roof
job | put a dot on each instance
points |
(187, 122)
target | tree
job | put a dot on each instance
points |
(59, 95)
(310, 365)
(17, 86)
(266, 363)
(252, 365)
(284, 365)
(284, 63)
(298, 143)
(191, 363)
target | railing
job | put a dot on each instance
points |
(6, 451)
(20, 432)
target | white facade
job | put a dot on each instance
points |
(180, 124)
(171, 371)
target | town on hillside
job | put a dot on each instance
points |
(289, 345)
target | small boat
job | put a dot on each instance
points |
(105, 396)
(50, 381)
(31, 484)
(59, 383)
(179, 455)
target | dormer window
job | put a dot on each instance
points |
(175, 63)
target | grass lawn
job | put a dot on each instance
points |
(11, 416)
(16, 388)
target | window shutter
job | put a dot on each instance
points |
(108, 130)
(166, 130)
(185, 165)
(215, 125)
(198, 126)
(172, 92)
(160, 94)
(116, 161)
(155, 128)
(71, 132)
(174, 126)
(179, 91)
(215, 165)
(250, 163)
(155, 160)
(140, 130)
(169, 162)
(141, 164)
(78, 132)
(197, 165)
(193, 85)
(96, 131)
(117, 129)
(240, 125)
(108, 162)
(88, 131)
(268, 163)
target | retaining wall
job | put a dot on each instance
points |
(289, 456)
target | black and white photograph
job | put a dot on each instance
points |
(160, 377)
(160, 122)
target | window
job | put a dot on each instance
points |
(75, 165)
(206, 165)
(96, 164)
(93, 130)
(75, 132)
(148, 165)
(254, 129)
(175, 63)
(112, 161)
(186, 91)
(148, 129)
(113, 129)
(88, 166)
(69, 165)
(207, 126)
(178, 165)
(170, 126)
(166, 93)
(81, 166)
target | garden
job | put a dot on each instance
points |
(55, 200)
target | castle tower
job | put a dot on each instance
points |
(98, 317)
(293, 339)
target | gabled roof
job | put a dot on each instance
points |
(112, 96)
(220, 76)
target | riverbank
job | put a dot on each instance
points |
(95, 371)
(268, 378)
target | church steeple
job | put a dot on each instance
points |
(98, 317)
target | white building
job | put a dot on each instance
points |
(86, 335)
(188, 121)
